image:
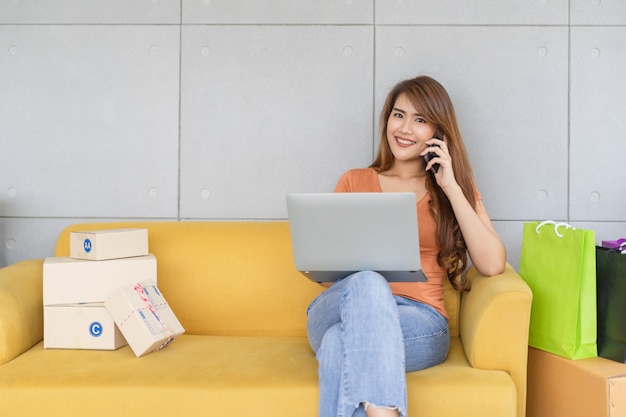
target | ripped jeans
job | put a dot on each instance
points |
(366, 339)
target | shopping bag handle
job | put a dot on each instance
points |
(610, 253)
(556, 226)
(622, 246)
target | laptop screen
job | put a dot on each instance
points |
(336, 234)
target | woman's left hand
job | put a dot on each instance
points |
(445, 174)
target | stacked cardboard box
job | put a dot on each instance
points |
(109, 244)
(104, 295)
(75, 289)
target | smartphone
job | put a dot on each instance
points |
(431, 155)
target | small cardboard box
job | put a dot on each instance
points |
(559, 387)
(144, 317)
(80, 326)
(109, 244)
(73, 281)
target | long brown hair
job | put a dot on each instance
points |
(432, 101)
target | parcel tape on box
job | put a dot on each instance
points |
(144, 317)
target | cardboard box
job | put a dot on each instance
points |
(559, 387)
(73, 281)
(80, 326)
(109, 244)
(144, 317)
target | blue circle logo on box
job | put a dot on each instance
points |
(95, 329)
(87, 245)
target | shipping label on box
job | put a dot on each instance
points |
(73, 281)
(109, 244)
(80, 326)
(144, 317)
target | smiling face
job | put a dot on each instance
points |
(407, 131)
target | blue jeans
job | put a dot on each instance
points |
(366, 339)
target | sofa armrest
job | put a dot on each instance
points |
(494, 323)
(21, 308)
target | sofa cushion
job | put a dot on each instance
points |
(198, 375)
(456, 389)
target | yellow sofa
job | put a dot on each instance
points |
(234, 288)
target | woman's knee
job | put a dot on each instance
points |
(369, 284)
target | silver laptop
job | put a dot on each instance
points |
(336, 234)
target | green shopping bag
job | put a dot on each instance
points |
(558, 262)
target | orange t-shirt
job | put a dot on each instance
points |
(431, 292)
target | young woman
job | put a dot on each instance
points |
(367, 333)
